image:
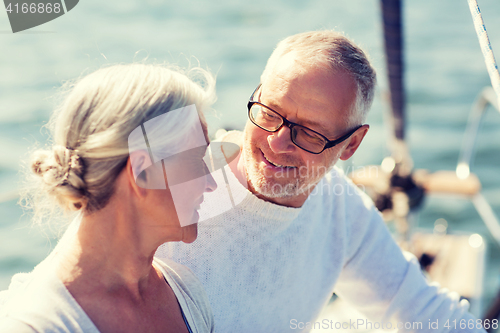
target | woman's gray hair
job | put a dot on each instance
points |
(90, 131)
(335, 51)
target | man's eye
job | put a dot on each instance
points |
(309, 136)
(268, 115)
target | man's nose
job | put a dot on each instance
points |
(280, 141)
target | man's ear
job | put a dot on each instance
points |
(354, 142)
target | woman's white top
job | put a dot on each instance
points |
(41, 303)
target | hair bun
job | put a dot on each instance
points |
(62, 171)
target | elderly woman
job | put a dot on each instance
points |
(127, 155)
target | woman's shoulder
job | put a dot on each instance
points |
(183, 278)
(190, 294)
(44, 304)
(10, 325)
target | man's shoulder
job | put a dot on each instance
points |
(337, 186)
(337, 179)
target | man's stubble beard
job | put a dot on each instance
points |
(272, 189)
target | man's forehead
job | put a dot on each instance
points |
(313, 96)
(313, 123)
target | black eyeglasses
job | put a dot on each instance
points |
(305, 138)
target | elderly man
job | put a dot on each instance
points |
(302, 230)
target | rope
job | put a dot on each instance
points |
(484, 42)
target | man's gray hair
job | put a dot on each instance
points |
(331, 48)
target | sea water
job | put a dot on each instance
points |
(445, 71)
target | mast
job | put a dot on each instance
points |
(393, 42)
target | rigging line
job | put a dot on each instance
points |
(485, 44)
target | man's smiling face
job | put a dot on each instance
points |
(276, 169)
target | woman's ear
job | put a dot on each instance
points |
(145, 174)
(139, 161)
(137, 164)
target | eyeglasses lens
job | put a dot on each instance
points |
(265, 118)
(270, 121)
(307, 139)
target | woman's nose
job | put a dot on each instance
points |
(211, 184)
